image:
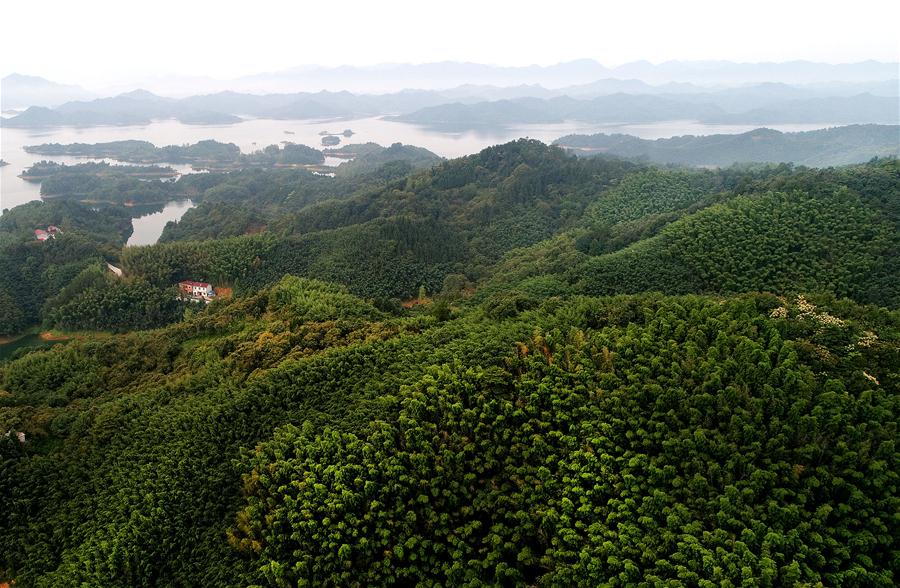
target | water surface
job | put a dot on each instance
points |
(32, 341)
(149, 227)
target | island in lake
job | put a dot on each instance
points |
(204, 155)
(100, 182)
(346, 133)
(331, 140)
(48, 169)
(208, 118)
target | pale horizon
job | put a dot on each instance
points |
(222, 42)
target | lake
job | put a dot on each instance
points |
(32, 340)
(253, 134)
(149, 227)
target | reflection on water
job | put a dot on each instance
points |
(32, 341)
(149, 227)
(253, 134)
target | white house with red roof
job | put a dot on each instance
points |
(197, 290)
(51, 232)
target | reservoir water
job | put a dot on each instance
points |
(31, 340)
(149, 227)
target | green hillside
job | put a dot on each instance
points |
(515, 368)
(832, 146)
(832, 230)
(626, 439)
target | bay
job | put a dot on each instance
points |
(149, 227)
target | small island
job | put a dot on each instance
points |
(203, 155)
(346, 133)
(49, 169)
(2, 163)
(208, 118)
(101, 182)
(331, 140)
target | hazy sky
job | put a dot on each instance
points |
(95, 42)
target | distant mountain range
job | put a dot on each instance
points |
(444, 75)
(667, 77)
(644, 108)
(473, 106)
(469, 95)
(825, 147)
(18, 91)
(140, 107)
(614, 108)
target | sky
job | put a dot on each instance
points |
(94, 42)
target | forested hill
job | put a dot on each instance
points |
(506, 218)
(519, 367)
(300, 435)
(787, 230)
(825, 147)
(777, 230)
(386, 240)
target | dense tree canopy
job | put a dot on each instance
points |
(32, 271)
(617, 440)
(563, 469)
(514, 368)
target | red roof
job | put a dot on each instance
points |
(192, 284)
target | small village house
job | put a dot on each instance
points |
(51, 232)
(197, 290)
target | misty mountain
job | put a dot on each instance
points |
(133, 108)
(878, 88)
(137, 102)
(462, 81)
(731, 73)
(19, 91)
(478, 93)
(608, 86)
(39, 116)
(445, 75)
(491, 113)
(434, 76)
(750, 96)
(314, 105)
(471, 105)
(646, 108)
(863, 108)
(141, 106)
(825, 147)
(615, 108)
